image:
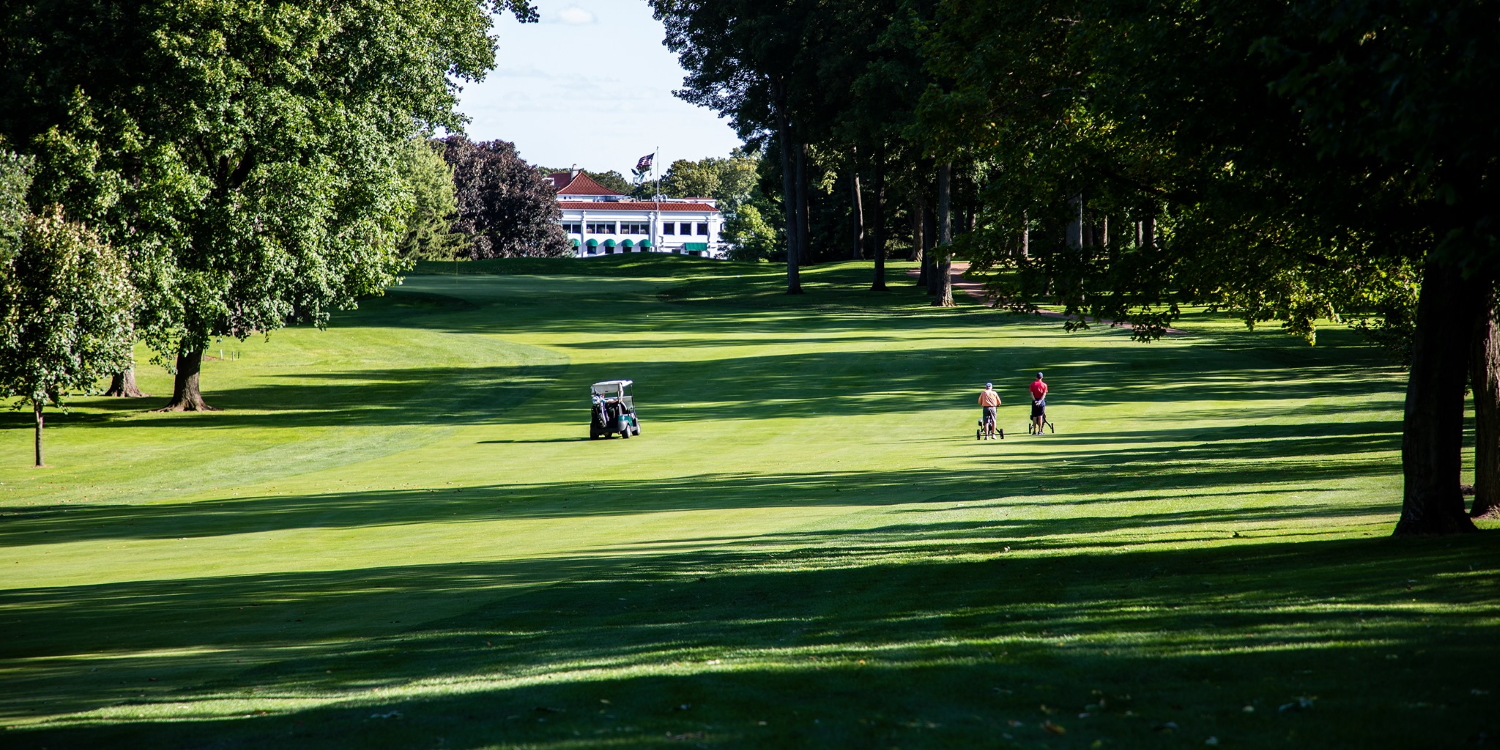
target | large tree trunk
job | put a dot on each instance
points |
(123, 384)
(1432, 440)
(37, 405)
(877, 222)
(789, 204)
(804, 246)
(944, 265)
(1484, 381)
(858, 206)
(185, 393)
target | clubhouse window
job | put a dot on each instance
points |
(687, 228)
(703, 229)
(633, 228)
(668, 228)
(572, 227)
(602, 227)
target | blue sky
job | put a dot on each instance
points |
(590, 85)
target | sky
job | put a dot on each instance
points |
(590, 85)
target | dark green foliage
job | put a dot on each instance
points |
(246, 158)
(506, 206)
(429, 224)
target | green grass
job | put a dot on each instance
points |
(397, 535)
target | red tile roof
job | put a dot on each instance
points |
(560, 180)
(636, 206)
(583, 184)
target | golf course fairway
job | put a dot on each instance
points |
(397, 534)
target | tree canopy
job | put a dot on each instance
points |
(247, 157)
(66, 302)
(505, 205)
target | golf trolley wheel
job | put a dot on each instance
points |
(1002, 434)
(979, 434)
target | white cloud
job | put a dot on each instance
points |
(576, 16)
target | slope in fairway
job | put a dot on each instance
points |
(397, 534)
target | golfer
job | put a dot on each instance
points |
(989, 399)
(1038, 403)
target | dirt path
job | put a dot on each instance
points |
(975, 289)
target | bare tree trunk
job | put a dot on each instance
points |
(858, 206)
(918, 236)
(185, 393)
(944, 266)
(1432, 438)
(929, 239)
(37, 405)
(123, 384)
(789, 204)
(1484, 381)
(1025, 235)
(877, 222)
(1148, 232)
(804, 246)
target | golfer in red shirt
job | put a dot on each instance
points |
(1038, 404)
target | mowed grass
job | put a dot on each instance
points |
(397, 534)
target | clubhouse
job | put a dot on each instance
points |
(599, 221)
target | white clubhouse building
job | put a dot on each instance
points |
(599, 221)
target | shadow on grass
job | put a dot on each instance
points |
(1154, 464)
(854, 645)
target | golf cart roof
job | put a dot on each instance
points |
(605, 385)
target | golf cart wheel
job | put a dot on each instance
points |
(636, 431)
(625, 433)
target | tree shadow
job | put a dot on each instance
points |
(856, 633)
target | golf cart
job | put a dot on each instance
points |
(613, 410)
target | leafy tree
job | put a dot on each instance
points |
(429, 223)
(1288, 161)
(247, 157)
(65, 303)
(505, 205)
(727, 180)
(749, 234)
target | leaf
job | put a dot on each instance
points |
(1051, 728)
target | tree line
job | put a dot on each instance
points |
(1288, 161)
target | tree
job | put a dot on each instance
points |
(752, 238)
(505, 205)
(429, 223)
(65, 304)
(246, 156)
(1287, 160)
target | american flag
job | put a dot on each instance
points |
(644, 163)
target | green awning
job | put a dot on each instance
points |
(609, 243)
(694, 246)
(645, 243)
(573, 242)
(593, 243)
(628, 243)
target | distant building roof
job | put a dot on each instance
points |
(636, 206)
(568, 183)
